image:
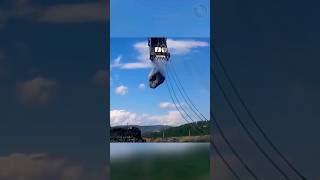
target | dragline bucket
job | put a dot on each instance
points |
(158, 48)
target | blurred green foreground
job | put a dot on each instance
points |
(160, 161)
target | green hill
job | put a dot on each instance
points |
(195, 129)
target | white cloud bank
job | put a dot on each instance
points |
(135, 65)
(167, 105)
(184, 46)
(123, 117)
(122, 90)
(176, 47)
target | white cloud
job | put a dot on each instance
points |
(135, 65)
(175, 46)
(37, 91)
(116, 62)
(122, 90)
(184, 46)
(167, 105)
(172, 118)
(141, 86)
(123, 117)
(143, 51)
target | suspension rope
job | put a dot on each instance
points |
(175, 100)
(185, 95)
(234, 151)
(252, 118)
(224, 160)
(250, 135)
(213, 143)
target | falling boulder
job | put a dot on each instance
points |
(155, 79)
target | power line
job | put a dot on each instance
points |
(247, 131)
(274, 147)
(185, 96)
(184, 92)
(234, 151)
(177, 99)
(213, 144)
(168, 85)
(224, 160)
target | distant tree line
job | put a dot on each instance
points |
(193, 129)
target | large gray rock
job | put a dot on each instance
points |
(155, 79)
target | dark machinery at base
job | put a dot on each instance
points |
(125, 134)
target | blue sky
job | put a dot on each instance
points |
(133, 102)
(174, 18)
(187, 26)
